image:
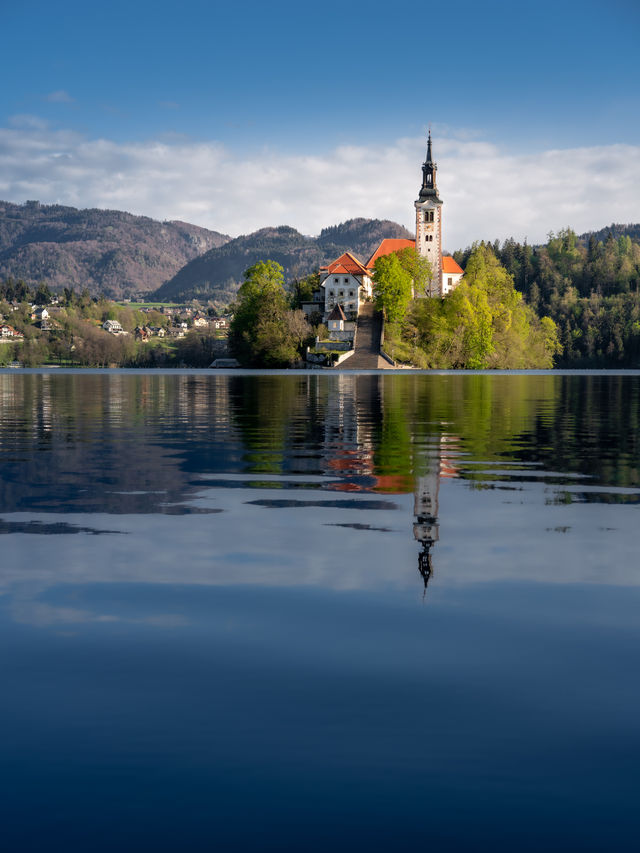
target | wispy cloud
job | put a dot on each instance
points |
(59, 97)
(488, 192)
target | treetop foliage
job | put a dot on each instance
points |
(483, 323)
(266, 331)
(589, 287)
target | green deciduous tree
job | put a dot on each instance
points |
(302, 289)
(419, 268)
(264, 331)
(392, 287)
(483, 323)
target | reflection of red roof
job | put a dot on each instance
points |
(346, 263)
(450, 266)
(394, 484)
(389, 245)
(346, 487)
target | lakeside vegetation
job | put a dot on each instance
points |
(483, 323)
(572, 303)
(73, 334)
(569, 303)
(268, 328)
(590, 288)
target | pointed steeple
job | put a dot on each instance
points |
(429, 169)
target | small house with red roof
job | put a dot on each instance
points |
(336, 319)
(8, 333)
(346, 282)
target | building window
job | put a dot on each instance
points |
(336, 280)
(346, 281)
(450, 282)
(428, 216)
(341, 293)
(352, 293)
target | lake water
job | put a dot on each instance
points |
(319, 612)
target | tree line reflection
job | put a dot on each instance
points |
(144, 440)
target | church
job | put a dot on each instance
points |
(346, 282)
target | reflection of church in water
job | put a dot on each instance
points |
(425, 525)
(354, 417)
(425, 505)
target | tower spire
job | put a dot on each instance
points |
(429, 169)
(429, 220)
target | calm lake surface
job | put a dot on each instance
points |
(319, 612)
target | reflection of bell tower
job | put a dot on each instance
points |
(425, 527)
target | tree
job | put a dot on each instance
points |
(263, 332)
(482, 323)
(419, 268)
(43, 295)
(198, 348)
(392, 287)
(302, 289)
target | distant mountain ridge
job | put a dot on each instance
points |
(107, 251)
(217, 274)
(616, 230)
(119, 254)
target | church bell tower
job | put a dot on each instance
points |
(429, 221)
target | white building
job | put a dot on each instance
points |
(336, 319)
(113, 326)
(451, 274)
(346, 282)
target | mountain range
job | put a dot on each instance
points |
(118, 254)
(217, 273)
(106, 251)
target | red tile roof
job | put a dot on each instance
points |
(450, 266)
(346, 263)
(389, 245)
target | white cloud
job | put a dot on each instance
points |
(59, 97)
(488, 192)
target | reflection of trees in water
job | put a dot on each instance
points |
(120, 443)
(138, 437)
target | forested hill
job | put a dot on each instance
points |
(217, 274)
(615, 230)
(108, 251)
(589, 285)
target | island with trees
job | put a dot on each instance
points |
(572, 302)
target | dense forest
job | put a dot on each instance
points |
(483, 323)
(589, 286)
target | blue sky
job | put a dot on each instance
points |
(268, 98)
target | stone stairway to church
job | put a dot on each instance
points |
(366, 354)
